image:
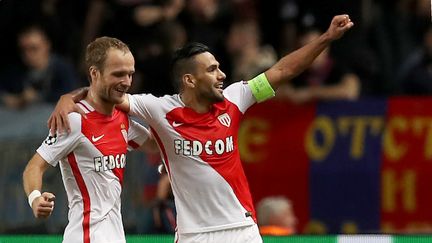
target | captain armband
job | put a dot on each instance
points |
(261, 89)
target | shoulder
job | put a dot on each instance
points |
(151, 100)
(240, 94)
(75, 121)
(74, 117)
(235, 88)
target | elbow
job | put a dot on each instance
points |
(291, 71)
(27, 170)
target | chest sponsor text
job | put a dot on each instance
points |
(196, 148)
(109, 162)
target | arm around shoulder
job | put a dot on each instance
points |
(58, 120)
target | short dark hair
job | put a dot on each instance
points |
(32, 28)
(181, 61)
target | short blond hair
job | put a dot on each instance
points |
(96, 52)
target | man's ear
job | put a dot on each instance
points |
(94, 73)
(188, 80)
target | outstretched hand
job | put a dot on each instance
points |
(43, 205)
(338, 26)
(59, 121)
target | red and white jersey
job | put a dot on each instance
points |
(92, 160)
(202, 158)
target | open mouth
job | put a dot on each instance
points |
(120, 91)
(219, 87)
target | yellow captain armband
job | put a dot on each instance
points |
(261, 88)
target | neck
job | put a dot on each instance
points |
(191, 101)
(99, 104)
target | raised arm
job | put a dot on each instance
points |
(41, 203)
(296, 62)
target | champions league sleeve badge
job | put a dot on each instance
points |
(51, 139)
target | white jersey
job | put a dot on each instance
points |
(201, 155)
(92, 160)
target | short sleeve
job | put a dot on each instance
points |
(137, 135)
(140, 105)
(240, 94)
(57, 146)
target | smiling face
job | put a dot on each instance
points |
(112, 81)
(208, 78)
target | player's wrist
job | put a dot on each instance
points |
(32, 196)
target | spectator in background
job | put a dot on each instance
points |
(397, 30)
(155, 60)
(149, 27)
(248, 57)
(276, 216)
(44, 76)
(415, 74)
(207, 21)
(129, 20)
(325, 79)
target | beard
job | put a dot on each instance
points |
(213, 96)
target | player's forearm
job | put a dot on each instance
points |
(33, 174)
(32, 179)
(77, 94)
(296, 62)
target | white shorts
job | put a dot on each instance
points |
(247, 234)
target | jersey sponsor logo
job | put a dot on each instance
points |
(51, 139)
(176, 124)
(196, 148)
(225, 119)
(109, 162)
(95, 139)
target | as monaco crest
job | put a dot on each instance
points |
(225, 119)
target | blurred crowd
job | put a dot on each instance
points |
(387, 53)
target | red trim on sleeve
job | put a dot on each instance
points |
(133, 144)
(162, 148)
(85, 107)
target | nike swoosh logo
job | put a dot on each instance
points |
(175, 124)
(95, 139)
